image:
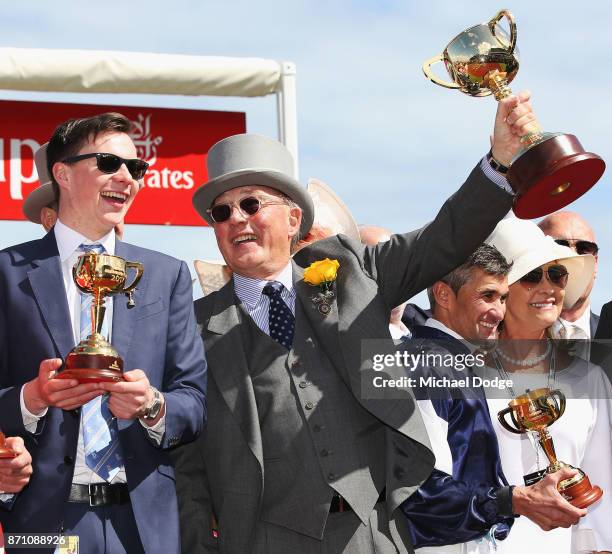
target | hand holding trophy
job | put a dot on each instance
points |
(553, 169)
(94, 359)
(536, 411)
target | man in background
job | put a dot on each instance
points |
(571, 229)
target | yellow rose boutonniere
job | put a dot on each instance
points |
(322, 274)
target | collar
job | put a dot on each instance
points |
(249, 290)
(68, 240)
(583, 322)
(431, 322)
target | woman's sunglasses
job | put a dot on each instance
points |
(110, 163)
(556, 275)
(581, 246)
(249, 206)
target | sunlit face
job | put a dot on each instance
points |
(479, 306)
(532, 308)
(93, 202)
(257, 246)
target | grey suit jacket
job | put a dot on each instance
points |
(222, 472)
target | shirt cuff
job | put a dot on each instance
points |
(30, 421)
(504, 501)
(5, 499)
(156, 432)
(498, 178)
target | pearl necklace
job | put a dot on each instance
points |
(527, 362)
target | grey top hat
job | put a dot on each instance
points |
(44, 194)
(243, 160)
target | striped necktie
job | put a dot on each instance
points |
(100, 434)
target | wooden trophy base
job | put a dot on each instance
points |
(86, 375)
(552, 174)
(93, 360)
(92, 368)
(580, 493)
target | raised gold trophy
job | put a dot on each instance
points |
(5, 451)
(101, 275)
(553, 169)
(536, 411)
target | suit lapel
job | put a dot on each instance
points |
(228, 365)
(48, 287)
(324, 326)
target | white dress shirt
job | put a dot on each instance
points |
(583, 323)
(250, 293)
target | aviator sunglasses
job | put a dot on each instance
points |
(581, 246)
(110, 163)
(556, 275)
(249, 206)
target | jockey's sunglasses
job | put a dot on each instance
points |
(556, 274)
(110, 163)
(580, 246)
(249, 206)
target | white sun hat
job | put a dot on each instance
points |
(524, 244)
(330, 211)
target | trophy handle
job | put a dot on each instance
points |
(427, 70)
(501, 416)
(139, 271)
(508, 15)
(561, 397)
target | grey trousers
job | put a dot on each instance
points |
(344, 534)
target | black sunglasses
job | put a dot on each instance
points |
(581, 246)
(110, 163)
(248, 206)
(556, 275)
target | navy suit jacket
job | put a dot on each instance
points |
(158, 335)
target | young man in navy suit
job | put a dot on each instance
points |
(99, 466)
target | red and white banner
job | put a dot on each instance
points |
(174, 142)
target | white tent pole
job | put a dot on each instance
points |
(286, 107)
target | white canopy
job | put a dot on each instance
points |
(134, 72)
(145, 73)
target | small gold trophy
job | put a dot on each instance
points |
(5, 451)
(536, 411)
(94, 359)
(553, 169)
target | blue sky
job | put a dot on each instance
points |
(393, 145)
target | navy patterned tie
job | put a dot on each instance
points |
(280, 318)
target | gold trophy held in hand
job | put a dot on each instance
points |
(553, 169)
(536, 411)
(94, 359)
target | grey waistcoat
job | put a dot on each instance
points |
(316, 437)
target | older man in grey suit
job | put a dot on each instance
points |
(294, 459)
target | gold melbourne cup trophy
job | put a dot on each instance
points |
(552, 169)
(536, 411)
(94, 359)
(5, 451)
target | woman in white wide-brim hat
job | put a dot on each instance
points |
(544, 278)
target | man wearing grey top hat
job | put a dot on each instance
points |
(293, 459)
